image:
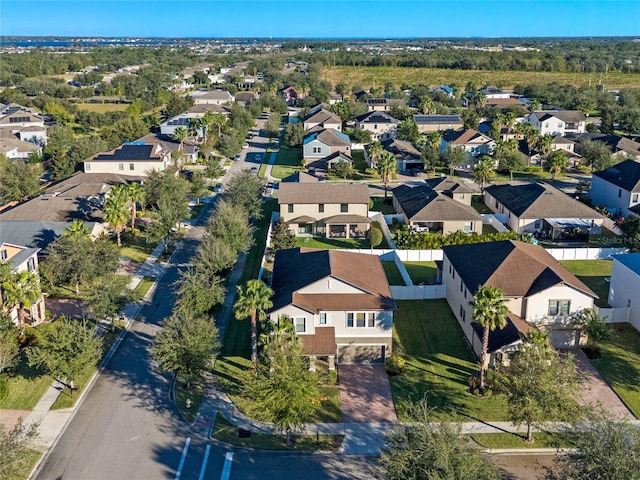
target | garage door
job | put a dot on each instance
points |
(564, 337)
(361, 354)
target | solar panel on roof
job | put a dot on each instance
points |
(437, 118)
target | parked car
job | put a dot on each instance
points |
(254, 169)
(217, 188)
(237, 157)
(245, 146)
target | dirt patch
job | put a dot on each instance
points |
(65, 306)
(523, 466)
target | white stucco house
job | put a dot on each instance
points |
(131, 158)
(618, 188)
(339, 303)
(624, 289)
(540, 293)
(558, 122)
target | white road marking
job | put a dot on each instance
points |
(204, 462)
(183, 458)
(226, 469)
(135, 438)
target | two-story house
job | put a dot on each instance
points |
(22, 259)
(322, 143)
(339, 303)
(438, 123)
(444, 89)
(326, 209)
(213, 97)
(451, 187)
(322, 118)
(558, 122)
(131, 158)
(472, 142)
(618, 188)
(383, 104)
(543, 210)
(22, 131)
(427, 210)
(540, 293)
(381, 125)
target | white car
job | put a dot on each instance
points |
(245, 146)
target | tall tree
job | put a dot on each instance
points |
(630, 228)
(544, 145)
(540, 385)
(455, 157)
(484, 170)
(181, 134)
(387, 166)
(66, 351)
(596, 154)
(557, 162)
(197, 292)
(244, 191)
(116, 210)
(21, 290)
(186, 345)
(374, 150)
(9, 346)
(19, 180)
(281, 237)
(214, 257)
(136, 194)
(490, 311)
(107, 296)
(343, 169)
(229, 224)
(253, 301)
(77, 229)
(425, 450)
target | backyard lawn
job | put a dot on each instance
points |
(593, 274)
(393, 274)
(323, 242)
(438, 364)
(288, 161)
(620, 365)
(383, 205)
(422, 272)
(477, 202)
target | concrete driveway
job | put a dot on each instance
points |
(365, 394)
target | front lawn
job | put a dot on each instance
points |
(393, 274)
(288, 160)
(438, 365)
(195, 396)
(593, 274)
(422, 272)
(136, 248)
(514, 440)
(25, 388)
(620, 365)
(228, 433)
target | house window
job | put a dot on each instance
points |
(121, 166)
(344, 207)
(375, 127)
(538, 224)
(454, 274)
(317, 149)
(361, 319)
(300, 323)
(619, 193)
(461, 285)
(3, 255)
(290, 208)
(634, 198)
(461, 310)
(462, 196)
(321, 208)
(559, 307)
(323, 318)
(132, 166)
(468, 226)
(496, 204)
(31, 264)
(87, 167)
(465, 293)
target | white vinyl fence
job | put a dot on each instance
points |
(418, 292)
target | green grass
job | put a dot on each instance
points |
(606, 239)
(228, 433)
(477, 202)
(592, 273)
(438, 365)
(322, 242)
(136, 248)
(393, 273)
(288, 160)
(488, 229)
(4, 389)
(620, 365)
(196, 394)
(234, 372)
(26, 387)
(383, 205)
(102, 107)
(513, 440)
(143, 288)
(422, 272)
(25, 465)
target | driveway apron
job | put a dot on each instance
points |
(365, 394)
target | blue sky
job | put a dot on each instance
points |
(320, 18)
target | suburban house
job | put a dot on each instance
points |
(322, 118)
(407, 155)
(40, 233)
(132, 158)
(426, 210)
(15, 149)
(381, 125)
(326, 164)
(200, 109)
(617, 188)
(503, 103)
(558, 122)
(492, 93)
(621, 147)
(190, 147)
(444, 89)
(215, 97)
(168, 127)
(383, 104)
(300, 177)
(544, 211)
(291, 95)
(21, 259)
(438, 123)
(339, 303)
(451, 187)
(540, 293)
(322, 143)
(245, 98)
(474, 143)
(22, 131)
(564, 144)
(623, 289)
(326, 209)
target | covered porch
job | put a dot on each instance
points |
(302, 226)
(346, 226)
(567, 229)
(320, 346)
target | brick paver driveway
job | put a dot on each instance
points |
(365, 394)
(598, 390)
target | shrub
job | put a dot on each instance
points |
(374, 235)
(395, 365)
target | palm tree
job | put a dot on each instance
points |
(77, 229)
(136, 193)
(427, 106)
(180, 134)
(490, 311)
(544, 145)
(207, 122)
(535, 105)
(375, 150)
(116, 210)
(557, 162)
(387, 167)
(509, 120)
(194, 127)
(484, 170)
(218, 120)
(22, 290)
(253, 301)
(434, 139)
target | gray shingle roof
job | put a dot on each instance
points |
(422, 204)
(625, 175)
(540, 200)
(447, 184)
(301, 193)
(32, 233)
(376, 117)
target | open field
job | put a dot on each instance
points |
(102, 107)
(367, 76)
